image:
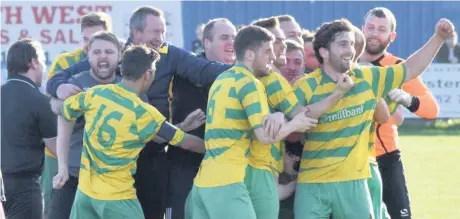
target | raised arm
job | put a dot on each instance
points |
(417, 63)
(422, 103)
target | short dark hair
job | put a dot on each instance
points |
(137, 19)
(267, 23)
(20, 56)
(250, 37)
(293, 45)
(106, 36)
(136, 60)
(96, 19)
(382, 12)
(327, 33)
(209, 27)
(307, 36)
(285, 17)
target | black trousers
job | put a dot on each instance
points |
(23, 198)
(151, 183)
(181, 182)
(62, 199)
(395, 193)
(287, 208)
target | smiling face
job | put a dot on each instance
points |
(153, 34)
(378, 34)
(341, 52)
(220, 47)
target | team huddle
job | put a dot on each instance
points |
(237, 110)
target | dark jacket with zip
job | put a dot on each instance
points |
(187, 97)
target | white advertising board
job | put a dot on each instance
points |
(56, 24)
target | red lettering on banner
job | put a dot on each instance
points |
(43, 14)
(59, 37)
(46, 37)
(71, 36)
(10, 13)
(5, 37)
(65, 13)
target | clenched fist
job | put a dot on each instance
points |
(344, 83)
(444, 29)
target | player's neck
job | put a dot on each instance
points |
(133, 85)
(30, 75)
(246, 64)
(366, 57)
(331, 72)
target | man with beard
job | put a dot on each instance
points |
(27, 122)
(237, 113)
(90, 24)
(103, 55)
(311, 62)
(290, 28)
(335, 164)
(148, 26)
(380, 30)
(218, 37)
(295, 66)
(117, 126)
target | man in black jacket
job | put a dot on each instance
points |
(218, 37)
(148, 26)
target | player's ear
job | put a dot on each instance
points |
(146, 75)
(250, 55)
(393, 36)
(206, 43)
(34, 63)
(323, 52)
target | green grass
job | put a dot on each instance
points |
(429, 157)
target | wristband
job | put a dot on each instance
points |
(414, 104)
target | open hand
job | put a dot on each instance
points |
(194, 120)
(67, 90)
